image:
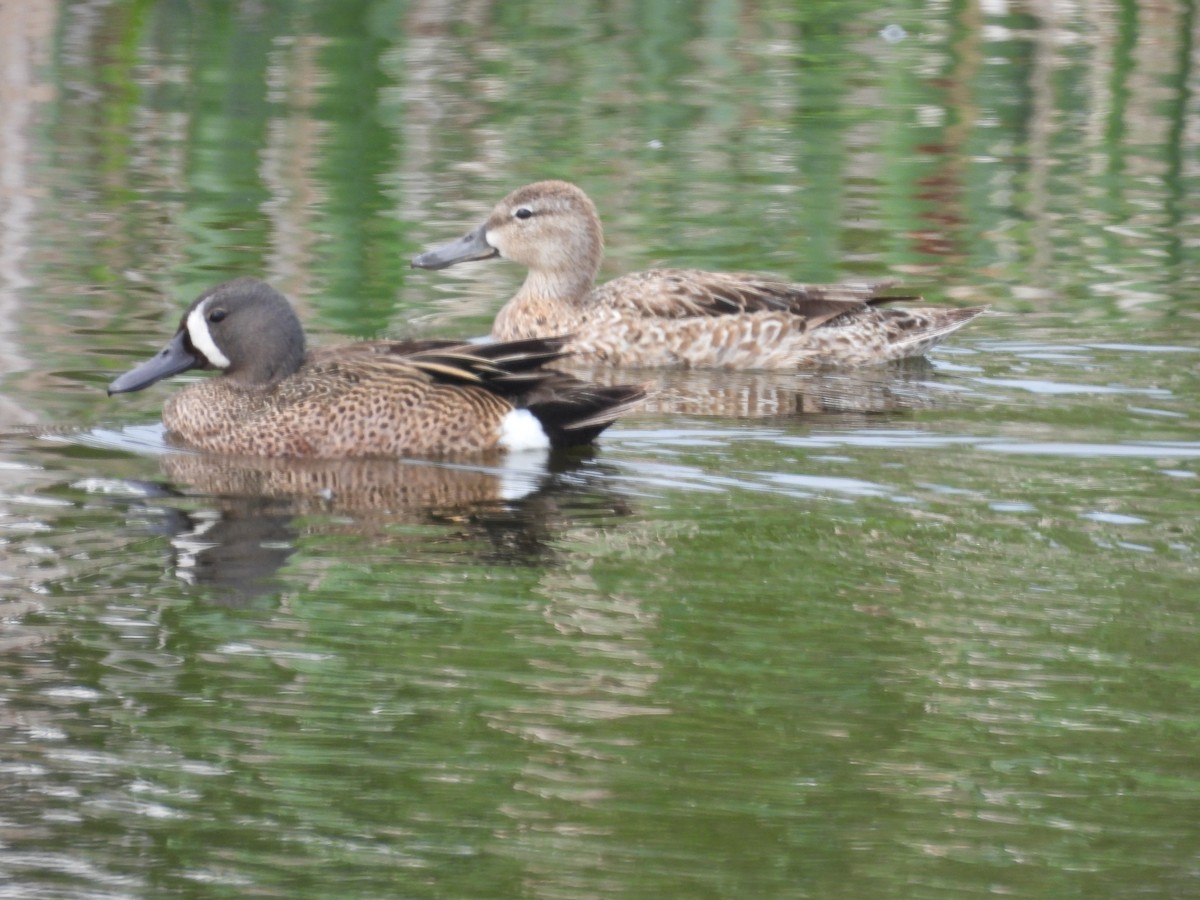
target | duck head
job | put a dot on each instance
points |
(551, 227)
(245, 328)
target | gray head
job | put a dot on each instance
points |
(245, 327)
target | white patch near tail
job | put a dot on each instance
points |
(521, 430)
(201, 338)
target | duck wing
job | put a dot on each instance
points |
(499, 365)
(445, 361)
(688, 293)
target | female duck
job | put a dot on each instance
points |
(373, 398)
(685, 317)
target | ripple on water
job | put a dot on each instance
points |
(141, 439)
(1042, 386)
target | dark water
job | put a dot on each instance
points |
(926, 630)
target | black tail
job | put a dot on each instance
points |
(573, 412)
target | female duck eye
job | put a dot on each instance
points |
(217, 315)
(523, 213)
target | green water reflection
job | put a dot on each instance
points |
(920, 631)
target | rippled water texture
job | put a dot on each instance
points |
(922, 630)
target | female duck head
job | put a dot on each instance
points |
(245, 327)
(551, 227)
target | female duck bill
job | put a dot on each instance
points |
(468, 248)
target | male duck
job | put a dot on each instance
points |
(686, 317)
(372, 398)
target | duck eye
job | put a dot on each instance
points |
(523, 213)
(217, 315)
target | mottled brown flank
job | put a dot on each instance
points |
(688, 317)
(355, 407)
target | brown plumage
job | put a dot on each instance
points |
(680, 317)
(373, 398)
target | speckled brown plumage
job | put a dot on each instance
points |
(375, 398)
(680, 317)
(353, 406)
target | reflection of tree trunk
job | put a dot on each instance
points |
(26, 30)
(1041, 126)
(1179, 221)
(943, 193)
(289, 158)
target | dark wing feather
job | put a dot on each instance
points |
(492, 364)
(451, 361)
(684, 293)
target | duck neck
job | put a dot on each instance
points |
(282, 354)
(562, 286)
(547, 304)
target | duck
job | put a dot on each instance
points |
(381, 398)
(680, 317)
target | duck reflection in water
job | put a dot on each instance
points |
(242, 524)
(847, 396)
